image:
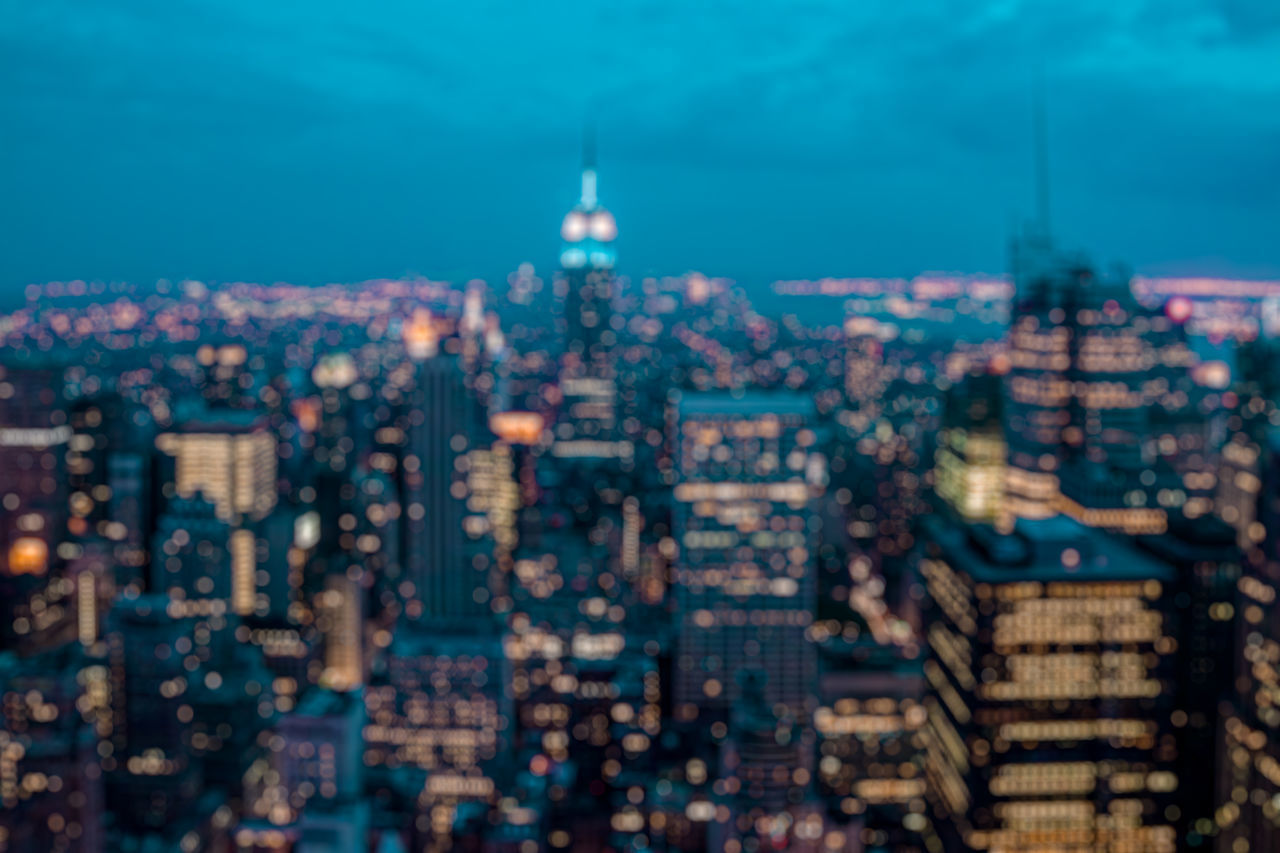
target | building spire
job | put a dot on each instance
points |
(589, 166)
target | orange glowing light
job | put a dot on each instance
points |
(307, 413)
(421, 338)
(517, 427)
(28, 556)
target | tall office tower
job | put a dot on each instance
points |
(1051, 695)
(1037, 386)
(309, 786)
(1087, 363)
(614, 725)
(155, 776)
(1208, 570)
(587, 425)
(745, 586)
(969, 465)
(193, 561)
(1248, 785)
(277, 568)
(227, 454)
(1110, 465)
(441, 428)
(33, 437)
(439, 722)
(745, 595)
(871, 737)
(50, 778)
(586, 683)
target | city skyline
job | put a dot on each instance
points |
(500, 529)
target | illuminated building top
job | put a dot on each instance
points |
(589, 229)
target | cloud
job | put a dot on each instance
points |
(1163, 105)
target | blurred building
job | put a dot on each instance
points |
(309, 786)
(870, 725)
(587, 424)
(744, 586)
(33, 482)
(438, 727)
(441, 429)
(1037, 386)
(155, 779)
(1247, 792)
(970, 464)
(1051, 688)
(229, 455)
(51, 785)
(745, 589)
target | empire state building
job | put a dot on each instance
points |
(586, 425)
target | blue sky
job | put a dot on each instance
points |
(329, 141)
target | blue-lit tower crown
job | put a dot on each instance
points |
(588, 230)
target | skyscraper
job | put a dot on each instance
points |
(1247, 816)
(744, 583)
(1109, 471)
(587, 261)
(1087, 363)
(227, 454)
(33, 492)
(586, 427)
(1050, 689)
(437, 723)
(440, 430)
(1037, 386)
(50, 776)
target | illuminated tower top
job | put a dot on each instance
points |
(588, 230)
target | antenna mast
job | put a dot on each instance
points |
(588, 165)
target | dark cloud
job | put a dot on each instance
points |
(324, 140)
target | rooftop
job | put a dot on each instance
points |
(1055, 549)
